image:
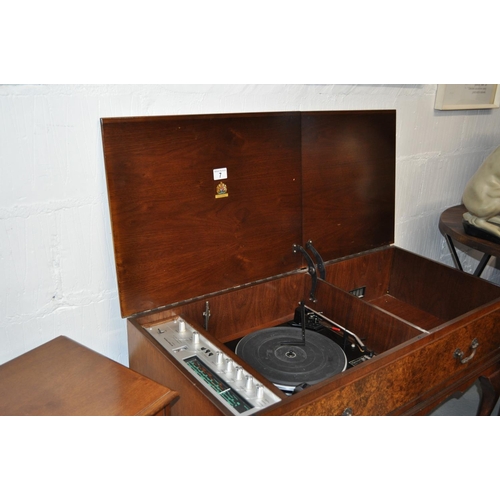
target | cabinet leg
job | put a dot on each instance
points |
(490, 391)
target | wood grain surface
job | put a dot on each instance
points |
(64, 378)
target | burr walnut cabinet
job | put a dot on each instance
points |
(230, 221)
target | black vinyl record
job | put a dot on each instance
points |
(269, 352)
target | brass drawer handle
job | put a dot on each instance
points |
(460, 355)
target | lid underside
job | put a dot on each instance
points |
(289, 178)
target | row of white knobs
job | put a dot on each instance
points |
(249, 385)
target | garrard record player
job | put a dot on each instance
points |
(291, 358)
(228, 229)
(302, 352)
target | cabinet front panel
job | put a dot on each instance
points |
(397, 383)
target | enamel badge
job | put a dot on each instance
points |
(221, 190)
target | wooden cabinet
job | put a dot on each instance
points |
(64, 378)
(306, 215)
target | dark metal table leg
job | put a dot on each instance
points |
(482, 265)
(451, 246)
(458, 265)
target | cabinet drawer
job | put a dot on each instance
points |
(383, 390)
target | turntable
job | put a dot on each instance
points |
(290, 358)
(302, 352)
(257, 269)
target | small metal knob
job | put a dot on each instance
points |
(249, 383)
(260, 391)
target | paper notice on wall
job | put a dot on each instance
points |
(466, 96)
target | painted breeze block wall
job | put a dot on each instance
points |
(56, 252)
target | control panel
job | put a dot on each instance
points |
(217, 371)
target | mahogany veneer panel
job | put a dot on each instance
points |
(371, 271)
(378, 330)
(174, 240)
(437, 289)
(414, 288)
(292, 177)
(234, 314)
(348, 170)
(407, 312)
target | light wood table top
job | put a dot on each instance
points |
(63, 378)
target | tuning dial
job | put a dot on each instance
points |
(181, 326)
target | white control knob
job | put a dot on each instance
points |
(229, 365)
(249, 383)
(181, 326)
(196, 337)
(218, 357)
(239, 373)
(260, 391)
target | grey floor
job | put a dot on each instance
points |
(465, 405)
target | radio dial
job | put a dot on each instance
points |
(218, 372)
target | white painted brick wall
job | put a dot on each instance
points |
(56, 256)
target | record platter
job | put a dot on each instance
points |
(307, 350)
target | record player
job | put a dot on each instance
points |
(258, 274)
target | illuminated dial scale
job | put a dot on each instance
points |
(234, 387)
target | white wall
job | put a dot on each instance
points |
(56, 258)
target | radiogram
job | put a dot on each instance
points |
(257, 269)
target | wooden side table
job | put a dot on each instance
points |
(64, 378)
(450, 225)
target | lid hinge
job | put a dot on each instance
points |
(313, 269)
(319, 260)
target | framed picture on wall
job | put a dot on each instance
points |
(467, 96)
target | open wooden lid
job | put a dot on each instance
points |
(205, 203)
